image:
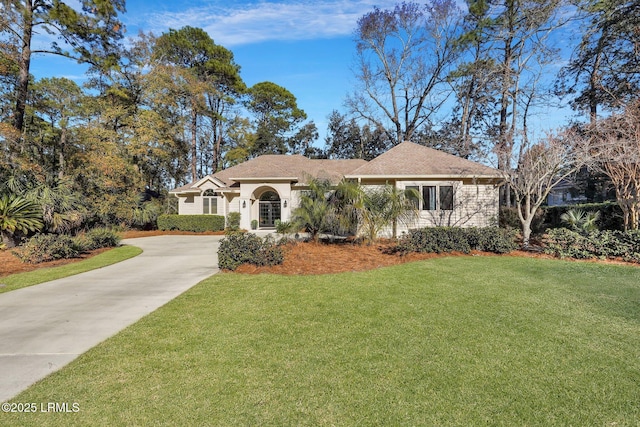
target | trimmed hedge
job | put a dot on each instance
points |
(196, 223)
(247, 248)
(455, 239)
(564, 243)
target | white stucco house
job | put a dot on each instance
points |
(455, 191)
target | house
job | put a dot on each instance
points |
(455, 191)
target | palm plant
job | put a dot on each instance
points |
(387, 206)
(580, 221)
(313, 212)
(18, 214)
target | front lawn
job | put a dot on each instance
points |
(450, 341)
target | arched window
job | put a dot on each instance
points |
(209, 203)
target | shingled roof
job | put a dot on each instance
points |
(404, 160)
(411, 159)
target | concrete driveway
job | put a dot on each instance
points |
(44, 327)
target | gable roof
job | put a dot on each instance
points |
(409, 159)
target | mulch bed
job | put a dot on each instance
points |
(300, 258)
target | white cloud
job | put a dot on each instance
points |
(234, 25)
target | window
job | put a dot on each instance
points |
(209, 203)
(434, 197)
(446, 197)
(415, 198)
(429, 198)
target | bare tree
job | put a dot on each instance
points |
(404, 56)
(541, 167)
(615, 143)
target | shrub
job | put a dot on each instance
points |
(101, 237)
(610, 215)
(196, 223)
(454, 239)
(247, 248)
(233, 221)
(49, 247)
(564, 243)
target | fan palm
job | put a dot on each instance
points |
(18, 214)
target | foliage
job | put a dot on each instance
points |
(247, 248)
(277, 115)
(49, 247)
(454, 239)
(386, 206)
(313, 212)
(233, 221)
(562, 242)
(285, 227)
(99, 237)
(580, 220)
(18, 214)
(196, 223)
(610, 215)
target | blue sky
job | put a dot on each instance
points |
(306, 47)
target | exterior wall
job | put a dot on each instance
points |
(249, 200)
(474, 205)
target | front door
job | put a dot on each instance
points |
(269, 209)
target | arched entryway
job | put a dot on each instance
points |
(269, 209)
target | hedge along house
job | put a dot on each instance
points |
(455, 191)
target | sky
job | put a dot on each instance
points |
(305, 46)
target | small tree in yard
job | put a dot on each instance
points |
(386, 206)
(313, 213)
(541, 167)
(615, 144)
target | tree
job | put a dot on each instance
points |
(17, 214)
(90, 35)
(404, 56)
(541, 167)
(346, 139)
(604, 70)
(276, 117)
(519, 33)
(57, 101)
(205, 76)
(615, 144)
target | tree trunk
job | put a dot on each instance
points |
(24, 64)
(194, 144)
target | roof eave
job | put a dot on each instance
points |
(432, 176)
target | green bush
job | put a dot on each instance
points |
(49, 247)
(101, 237)
(565, 243)
(247, 248)
(196, 223)
(455, 239)
(233, 221)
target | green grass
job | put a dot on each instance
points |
(454, 341)
(35, 277)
